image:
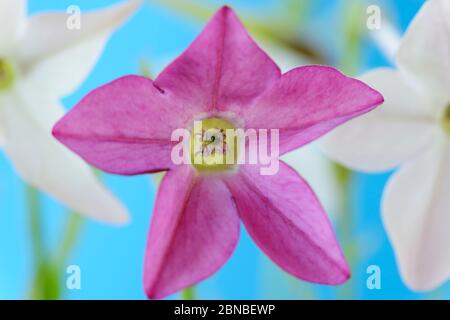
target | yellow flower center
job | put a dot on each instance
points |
(6, 75)
(446, 120)
(213, 145)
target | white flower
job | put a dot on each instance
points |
(41, 61)
(411, 130)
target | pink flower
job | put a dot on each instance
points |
(125, 127)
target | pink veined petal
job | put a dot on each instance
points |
(123, 127)
(319, 171)
(307, 102)
(285, 219)
(194, 231)
(222, 69)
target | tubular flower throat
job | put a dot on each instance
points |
(213, 145)
(6, 74)
(446, 120)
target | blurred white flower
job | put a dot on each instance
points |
(41, 61)
(411, 130)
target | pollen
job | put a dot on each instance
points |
(213, 145)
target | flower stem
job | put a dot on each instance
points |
(345, 224)
(144, 69)
(354, 33)
(34, 215)
(46, 284)
(188, 294)
(69, 238)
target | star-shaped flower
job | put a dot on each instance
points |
(41, 61)
(411, 130)
(226, 81)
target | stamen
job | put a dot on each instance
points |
(6, 75)
(211, 148)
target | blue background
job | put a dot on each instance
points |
(111, 258)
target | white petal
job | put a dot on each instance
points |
(416, 214)
(2, 134)
(58, 58)
(48, 165)
(388, 135)
(12, 24)
(318, 171)
(424, 54)
(5, 100)
(388, 39)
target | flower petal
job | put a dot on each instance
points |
(428, 61)
(47, 165)
(307, 102)
(59, 58)
(5, 100)
(416, 214)
(285, 219)
(318, 170)
(388, 40)
(222, 69)
(194, 231)
(124, 127)
(12, 16)
(387, 136)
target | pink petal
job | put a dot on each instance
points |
(285, 219)
(124, 127)
(222, 68)
(194, 231)
(308, 102)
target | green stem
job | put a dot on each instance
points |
(34, 216)
(69, 238)
(144, 69)
(345, 224)
(46, 283)
(188, 294)
(354, 33)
